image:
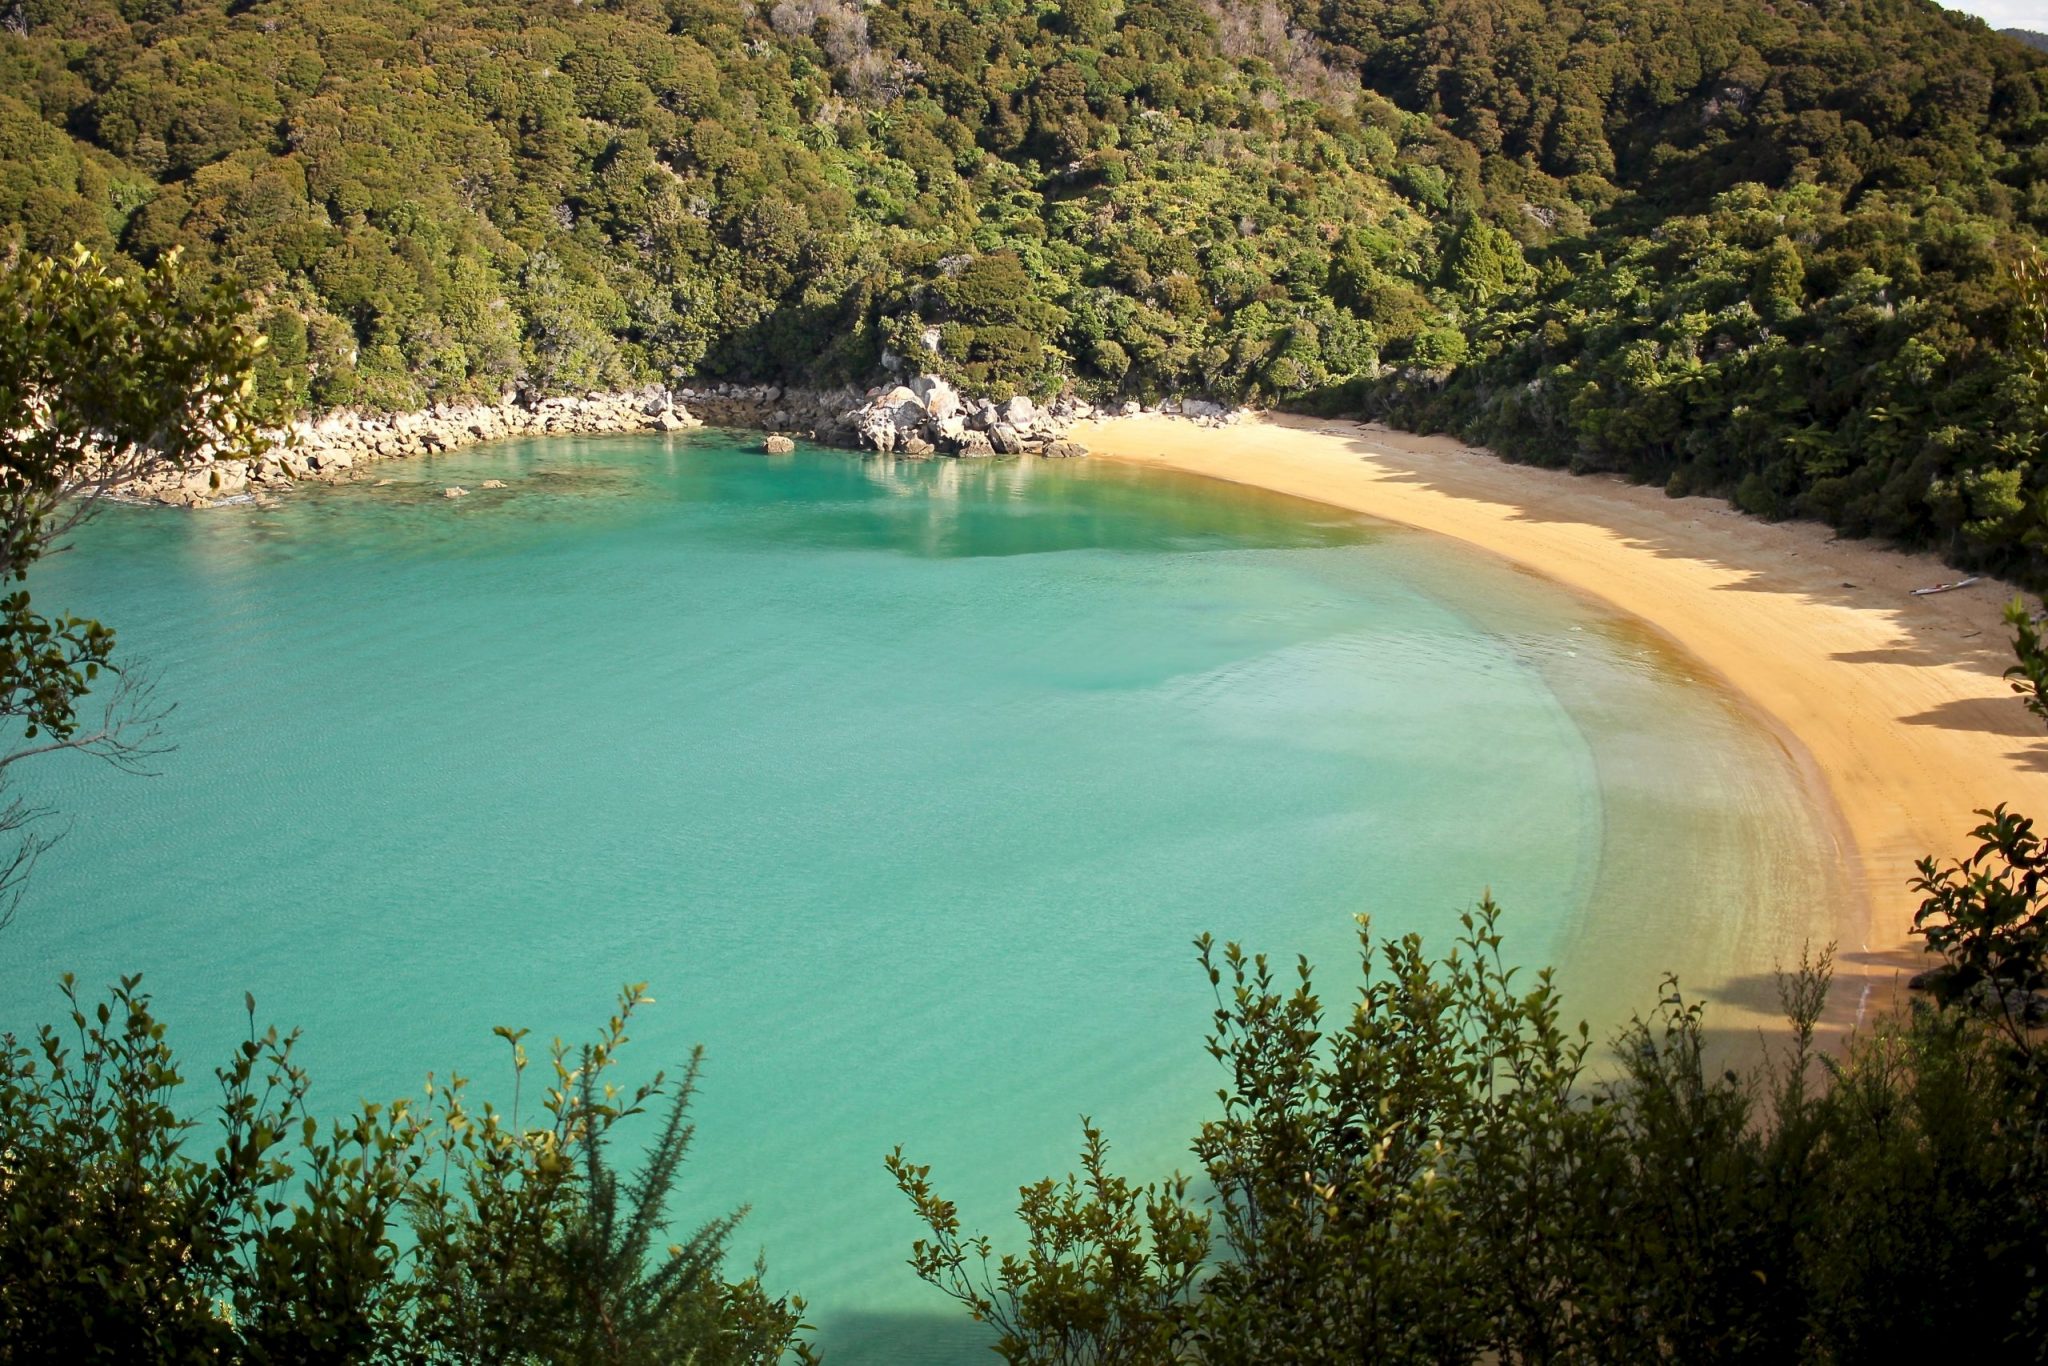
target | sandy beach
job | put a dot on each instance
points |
(1897, 702)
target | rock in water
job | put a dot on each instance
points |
(455, 491)
(494, 483)
(778, 445)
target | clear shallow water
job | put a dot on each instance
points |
(906, 785)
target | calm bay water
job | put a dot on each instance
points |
(905, 785)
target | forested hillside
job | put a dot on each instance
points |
(1765, 250)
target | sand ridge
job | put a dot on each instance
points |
(1897, 702)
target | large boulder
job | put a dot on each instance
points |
(872, 428)
(778, 444)
(1005, 439)
(1019, 412)
(939, 398)
(974, 445)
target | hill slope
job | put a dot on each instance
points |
(1739, 247)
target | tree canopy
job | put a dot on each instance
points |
(1746, 248)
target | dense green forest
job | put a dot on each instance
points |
(1753, 249)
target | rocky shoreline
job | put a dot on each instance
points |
(923, 418)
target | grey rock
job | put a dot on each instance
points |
(940, 399)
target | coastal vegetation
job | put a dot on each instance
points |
(1754, 250)
(443, 1231)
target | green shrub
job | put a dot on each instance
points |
(447, 1232)
(1433, 1173)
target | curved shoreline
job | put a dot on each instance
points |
(1897, 704)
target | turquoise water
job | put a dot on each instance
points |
(906, 785)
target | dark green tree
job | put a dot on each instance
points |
(109, 377)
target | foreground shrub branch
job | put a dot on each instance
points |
(1431, 1173)
(443, 1233)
